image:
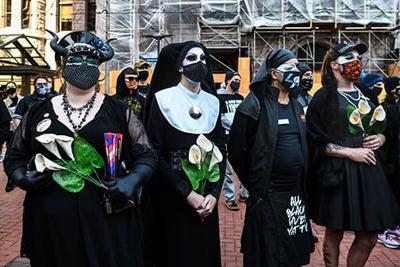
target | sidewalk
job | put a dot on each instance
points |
(231, 224)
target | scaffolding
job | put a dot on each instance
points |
(253, 27)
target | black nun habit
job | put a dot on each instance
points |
(175, 236)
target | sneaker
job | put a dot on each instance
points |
(242, 199)
(395, 231)
(231, 205)
(388, 240)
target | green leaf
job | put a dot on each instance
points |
(214, 174)
(86, 157)
(192, 172)
(69, 181)
(378, 127)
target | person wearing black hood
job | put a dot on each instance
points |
(268, 150)
(347, 186)
(306, 84)
(42, 92)
(142, 67)
(184, 111)
(79, 210)
(127, 91)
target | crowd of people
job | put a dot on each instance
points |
(134, 179)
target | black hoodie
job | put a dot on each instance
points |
(132, 98)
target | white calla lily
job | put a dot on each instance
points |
(363, 107)
(204, 143)
(195, 155)
(48, 141)
(215, 158)
(355, 118)
(378, 115)
(66, 143)
(42, 163)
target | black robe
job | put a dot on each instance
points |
(174, 233)
(251, 151)
(72, 229)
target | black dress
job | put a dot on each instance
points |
(72, 229)
(348, 195)
(177, 237)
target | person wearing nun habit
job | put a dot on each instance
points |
(183, 108)
(79, 210)
(348, 189)
(306, 84)
(268, 150)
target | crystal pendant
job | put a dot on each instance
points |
(195, 112)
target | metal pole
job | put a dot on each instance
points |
(107, 66)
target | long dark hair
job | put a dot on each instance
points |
(330, 110)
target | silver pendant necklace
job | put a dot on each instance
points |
(195, 111)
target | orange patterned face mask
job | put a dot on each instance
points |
(352, 70)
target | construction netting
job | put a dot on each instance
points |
(134, 23)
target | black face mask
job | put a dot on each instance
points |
(11, 90)
(376, 90)
(81, 76)
(307, 84)
(143, 75)
(291, 80)
(195, 72)
(235, 86)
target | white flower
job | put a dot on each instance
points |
(195, 155)
(364, 107)
(355, 118)
(204, 143)
(66, 143)
(215, 158)
(48, 141)
(378, 115)
(42, 163)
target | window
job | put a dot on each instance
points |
(26, 14)
(65, 15)
(91, 16)
(6, 16)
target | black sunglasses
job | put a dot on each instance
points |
(132, 78)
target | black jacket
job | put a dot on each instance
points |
(251, 151)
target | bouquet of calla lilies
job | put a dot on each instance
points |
(70, 174)
(202, 164)
(363, 120)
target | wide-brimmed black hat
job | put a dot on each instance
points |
(81, 42)
(344, 47)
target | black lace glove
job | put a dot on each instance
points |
(32, 180)
(126, 187)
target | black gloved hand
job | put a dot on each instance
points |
(126, 187)
(30, 181)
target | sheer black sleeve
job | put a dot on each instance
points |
(155, 129)
(141, 148)
(21, 109)
(19, 152)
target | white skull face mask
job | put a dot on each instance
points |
(350, 56)
(194, 55)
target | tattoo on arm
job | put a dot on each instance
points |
(331, 148)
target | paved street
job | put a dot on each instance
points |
(230, 224)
